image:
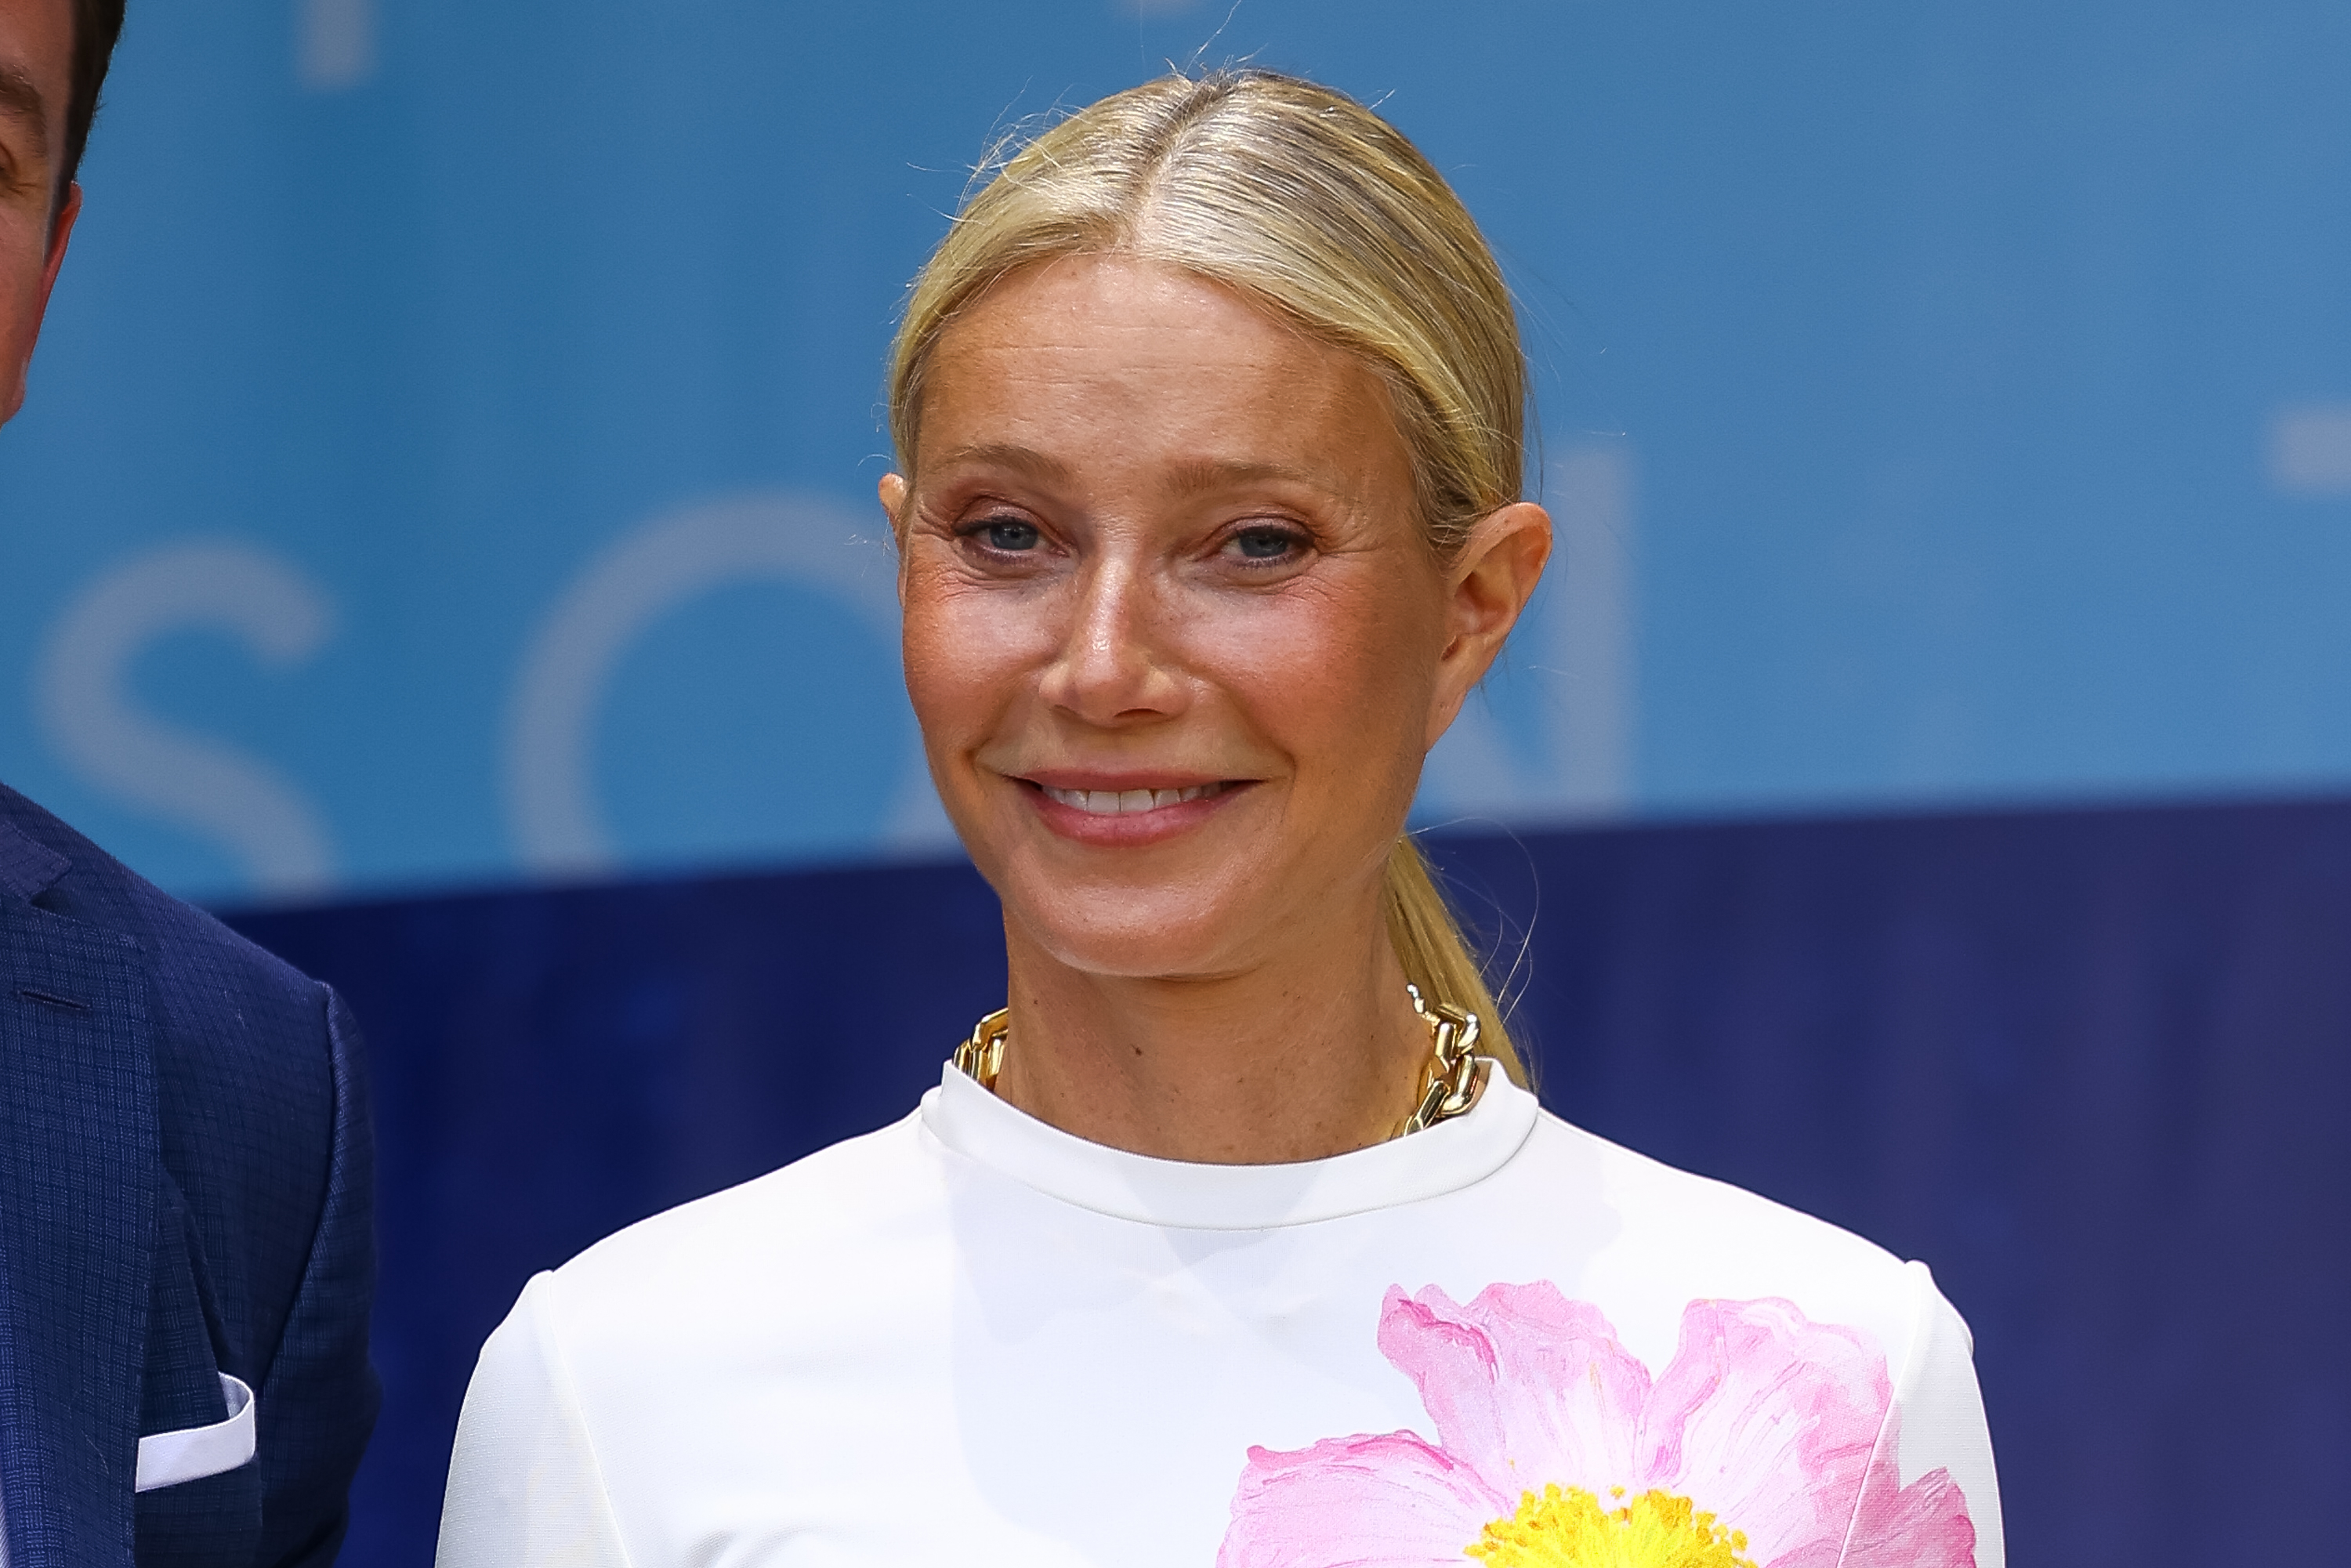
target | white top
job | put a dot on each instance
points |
(970, 1338)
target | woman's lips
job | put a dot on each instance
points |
(1128, 802)
(1128, 818)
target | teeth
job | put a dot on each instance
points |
(1121, 802)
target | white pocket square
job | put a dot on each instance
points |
(167, 1458)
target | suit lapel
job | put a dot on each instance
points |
(27, 869)
(78, 1141)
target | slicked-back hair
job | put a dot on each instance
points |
(97, 23)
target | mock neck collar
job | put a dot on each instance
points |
(1441, 1159)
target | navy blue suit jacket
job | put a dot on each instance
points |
(185, 1190)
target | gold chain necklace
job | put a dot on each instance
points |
(1455, 1074)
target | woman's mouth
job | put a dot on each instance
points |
(1130, 816)
(1128, 802)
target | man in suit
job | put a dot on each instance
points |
(186, 1251)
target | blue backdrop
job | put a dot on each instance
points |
(451, 456)
(2094, 1067)
(449, 464)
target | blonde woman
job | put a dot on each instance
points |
(1236, 1236)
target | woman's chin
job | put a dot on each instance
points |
(1133, 938)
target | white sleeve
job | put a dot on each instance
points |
(1932, 1496)
(525, 1491)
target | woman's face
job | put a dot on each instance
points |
(1175, 646)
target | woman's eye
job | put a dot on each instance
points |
(1265, 544)
(1010, 535)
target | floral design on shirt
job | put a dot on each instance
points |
(1768, 1441)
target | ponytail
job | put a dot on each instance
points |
(1429, 942)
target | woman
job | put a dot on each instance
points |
(1238, 1237)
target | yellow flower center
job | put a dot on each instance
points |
(1573, 1528)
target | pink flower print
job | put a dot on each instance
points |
(1760, 1447)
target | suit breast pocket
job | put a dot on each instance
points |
(199, 1502)
(192, 1453)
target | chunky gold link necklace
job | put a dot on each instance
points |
(1455, 1074)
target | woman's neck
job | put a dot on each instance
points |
(1306, 1055)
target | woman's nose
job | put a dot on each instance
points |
(1112, 665)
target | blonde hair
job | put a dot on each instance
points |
(1305, 201)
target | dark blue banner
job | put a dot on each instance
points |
(2094, 1067)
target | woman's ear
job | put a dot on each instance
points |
(893, 491)
(1487, 590)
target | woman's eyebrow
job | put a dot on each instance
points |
(1003, 455)
(1186, 476)
(1196, 475)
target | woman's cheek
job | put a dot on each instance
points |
(956, 657)
(1329, 672)
(929, 682)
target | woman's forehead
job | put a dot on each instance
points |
(1091, 350)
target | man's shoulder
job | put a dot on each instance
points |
(251, 1088)
(242, 1045)
(45, 862)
